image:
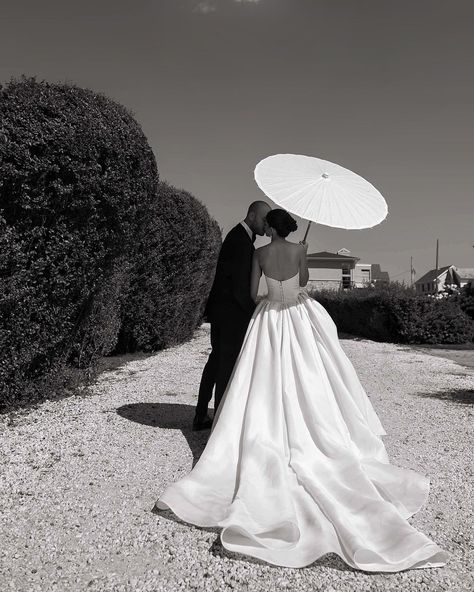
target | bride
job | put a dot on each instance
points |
(295, 466)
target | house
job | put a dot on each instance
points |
(342, 270)
(366, 274)
(331, 270)
(433, 282)
(464, 276)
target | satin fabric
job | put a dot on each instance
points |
(295, 467)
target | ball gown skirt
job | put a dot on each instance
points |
(295, 466)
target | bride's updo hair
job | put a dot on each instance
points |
(281, 221)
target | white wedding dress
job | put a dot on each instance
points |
(294, 467)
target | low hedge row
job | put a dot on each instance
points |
(396, 314)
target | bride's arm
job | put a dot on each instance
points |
(304, 272)
(255, 277)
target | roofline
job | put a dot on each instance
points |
(335, 256)
(440, 272)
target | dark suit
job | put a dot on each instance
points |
(228, 309)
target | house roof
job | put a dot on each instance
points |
(328, 255)
(465, 273)
(378, 274)
(433, 274)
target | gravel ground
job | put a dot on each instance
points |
(80, 476)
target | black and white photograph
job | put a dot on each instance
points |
(236, 296)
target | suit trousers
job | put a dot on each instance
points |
(227, 336)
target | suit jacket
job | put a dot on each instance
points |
(230, 292)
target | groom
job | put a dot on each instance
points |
(229, 309)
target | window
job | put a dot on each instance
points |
(346, 275)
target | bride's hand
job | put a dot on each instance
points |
(304, 244)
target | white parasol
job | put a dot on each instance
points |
(320, 191)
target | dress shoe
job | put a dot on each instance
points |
(202, 424)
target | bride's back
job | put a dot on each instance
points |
(280, 260)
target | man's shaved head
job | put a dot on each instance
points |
(257, 207)
(256, 215)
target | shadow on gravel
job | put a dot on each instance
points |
(460, 396)
(170, 416)
(331, 560)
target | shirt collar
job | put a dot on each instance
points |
(247, 229)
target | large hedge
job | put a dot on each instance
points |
(172, 273)
(397, 314)
(76, 177)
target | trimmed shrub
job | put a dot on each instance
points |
(172, 274)
(76, 177)
(397, 314)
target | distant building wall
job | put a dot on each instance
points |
(324, 273)
(324, 284)
(326, 278)
(362, 274)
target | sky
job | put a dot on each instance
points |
(384, 88)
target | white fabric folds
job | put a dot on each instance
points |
(295, 466)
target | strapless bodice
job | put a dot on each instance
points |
(283, 290)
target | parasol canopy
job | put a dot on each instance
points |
(320, 191)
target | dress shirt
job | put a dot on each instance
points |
(247, 229)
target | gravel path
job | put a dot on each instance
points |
(80, 476)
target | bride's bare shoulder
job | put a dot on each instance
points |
(260, 253)
(294, 245)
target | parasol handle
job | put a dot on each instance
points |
(306, 233)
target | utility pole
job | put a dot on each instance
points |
(412, 272)
(437, 253)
